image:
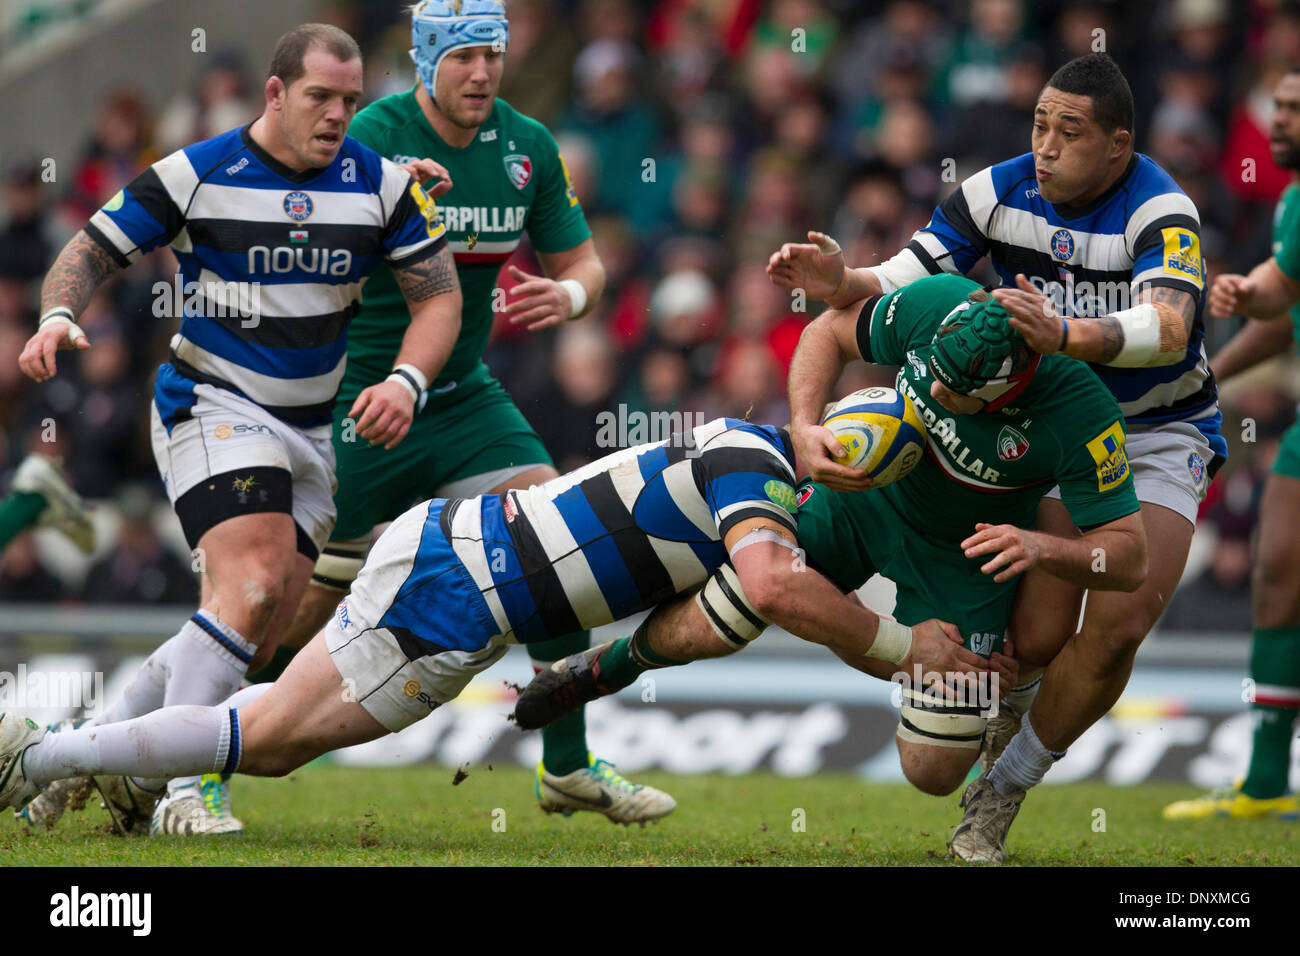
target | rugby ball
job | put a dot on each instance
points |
(880, 431)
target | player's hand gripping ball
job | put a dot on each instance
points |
(881, 433)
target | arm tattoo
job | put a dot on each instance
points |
(431, 277)
(77, 272)
(1112, 337)
(1184, 303)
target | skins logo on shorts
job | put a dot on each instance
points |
(1196, 465)
(802, 495)
(411, 688)
(1011, 444)
(519, 168)
(1063, 245)
(222, 431)
(1107, 451)
(779, 492)
(298, 206)
(1182, 253)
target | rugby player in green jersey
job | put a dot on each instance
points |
(1264, 296)
(507, 177)
(1004, 425)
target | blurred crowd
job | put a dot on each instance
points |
(700, 135)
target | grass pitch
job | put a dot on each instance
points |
(326, 816)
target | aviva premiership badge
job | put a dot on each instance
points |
(519, 168)
(1107, 451)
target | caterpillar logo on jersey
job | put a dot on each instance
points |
(1182, 253)
(519, 168)
(1011, 444)
(298, 206)
(1063, 245)
(1107, 450)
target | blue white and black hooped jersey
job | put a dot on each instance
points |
(615, 537)
(271, 263)
(1143, 232)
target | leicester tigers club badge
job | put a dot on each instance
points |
(519, 168)
(297, 206)
(802, 495)
(1011, 444)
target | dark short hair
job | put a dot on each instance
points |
(290, 49)
(1097, 76)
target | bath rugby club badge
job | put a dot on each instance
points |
(1063, 245)
(297, 206)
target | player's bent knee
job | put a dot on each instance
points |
(935, 770)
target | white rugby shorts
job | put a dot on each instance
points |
(225, 434)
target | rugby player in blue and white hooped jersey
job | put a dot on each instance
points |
(276, 227)
(701, 529)
(1099, 254)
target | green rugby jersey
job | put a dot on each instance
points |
(509, 179)
(1065, 428)
(1286, 222)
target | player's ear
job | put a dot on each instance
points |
(1120, 141)
(275, 92)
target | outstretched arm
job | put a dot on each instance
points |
(1110, 557)
(785, 591)
(78, 271)
(1152, 333)
(1255, 342)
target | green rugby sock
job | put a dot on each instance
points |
(629, 657)
(17, 513)
(564, 742)
(1275, 669)
(274, 668)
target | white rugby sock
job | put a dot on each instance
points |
(202, 663)
(1021, 697)
(240, 698)
(1023, 763)
(174, 740)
